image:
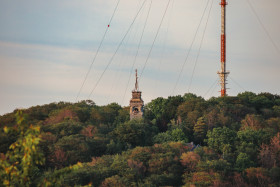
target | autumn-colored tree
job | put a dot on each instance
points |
(203, 179)
(190, 160)
(61, 115)
(19, 164)
(238, 180)
(160, 162)
(275, 148)
(258, 176)
(212, 118)
(89, 131)
(253, 121)
(267, 160)
(206, 153)
(141, 154)
(270, 154)
(242, 133)
(274, 123)
(113, 181)
(138, 167)
(58, 158)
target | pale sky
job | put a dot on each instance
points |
(46, 48)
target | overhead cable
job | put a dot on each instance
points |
(163, 51)
(237, 83)
(185, 61)
(216, 81)
(262, 25)
(98, 49)
(137, 52)
(154, 39)
(200, 46)
(110, 61)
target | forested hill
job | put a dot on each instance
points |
(181, 141)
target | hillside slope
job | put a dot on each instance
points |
(235, 141)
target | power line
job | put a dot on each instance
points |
(262, 25)
(211, 87)
(137, 52)
(237, 83)
(123, 61)
(196, 32)
(214, 89)
(98, 49)
(117, 49)
(154, 39)
(200, 45)
(163, 52)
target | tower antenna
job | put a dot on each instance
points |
(223, 73)
(136, 81)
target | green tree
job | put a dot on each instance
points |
(135, 133)
(163, 110)
(249, 141)
(200, 130)
(222, 140)
(243, 161)
(19, 165)
(110, 112)
(174, 135)
(162, 137)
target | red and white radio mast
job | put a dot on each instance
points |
(223, 73)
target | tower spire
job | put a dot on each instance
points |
(136, 81)
(223, 73)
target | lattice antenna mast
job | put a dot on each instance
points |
(223, 73)
(136, 82)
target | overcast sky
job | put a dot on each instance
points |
(46, 48)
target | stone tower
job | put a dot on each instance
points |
(136, 102)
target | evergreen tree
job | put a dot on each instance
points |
(200, 130)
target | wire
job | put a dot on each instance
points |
(211, 87)
(117, 49)
(196, 32)
(265, 30)
(137, 52)
(122, 63)
(163, 51)
(237, 84)
(124, 59)
(200, 45)
(154, 39)
(98, 49)
(214, 89)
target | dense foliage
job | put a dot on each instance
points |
(181, 141)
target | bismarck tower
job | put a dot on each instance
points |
(136, 102)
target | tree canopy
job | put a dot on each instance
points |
(181, 141)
